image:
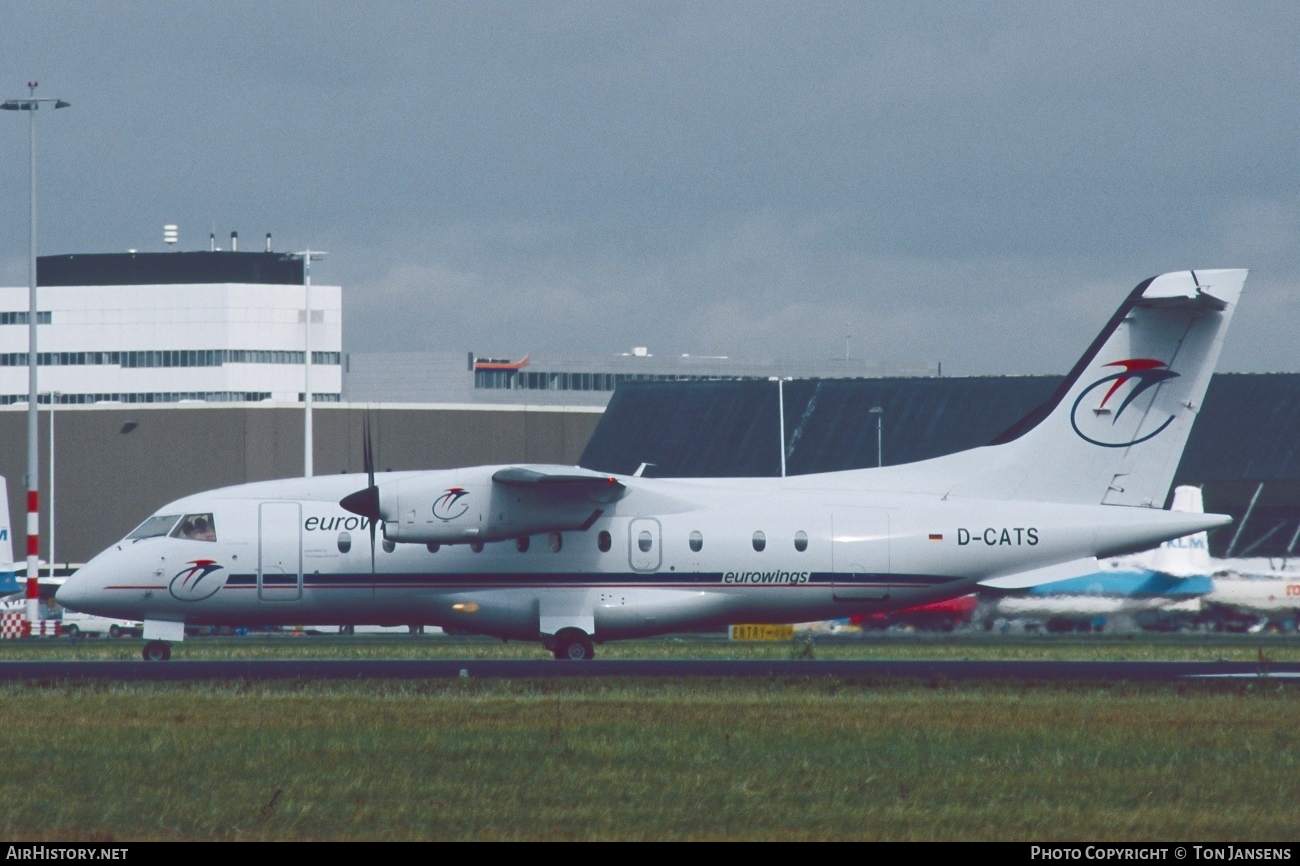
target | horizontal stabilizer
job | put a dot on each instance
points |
(1048, 574)
(1182, 289)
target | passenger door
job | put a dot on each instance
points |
(860, 554)
(279, 551)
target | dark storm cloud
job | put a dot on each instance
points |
(973, 183)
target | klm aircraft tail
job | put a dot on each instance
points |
(1114, 431)
(6, 531)
(1187, 556)
(8, 576)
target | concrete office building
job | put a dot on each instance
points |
(216, 327)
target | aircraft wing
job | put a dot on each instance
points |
(594, 484)
(460, 506)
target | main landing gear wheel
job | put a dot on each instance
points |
(114, 632)
(574, 645)
(156, 651)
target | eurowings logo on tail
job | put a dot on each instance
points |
(190, 584)
(1143, 374)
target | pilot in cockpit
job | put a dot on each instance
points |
(198, 527)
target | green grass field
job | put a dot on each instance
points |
(569, 760)
(1197, 646)
(606, 759)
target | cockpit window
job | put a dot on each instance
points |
(157, 525)
(196, 527)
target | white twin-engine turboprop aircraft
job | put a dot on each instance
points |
(568, 557)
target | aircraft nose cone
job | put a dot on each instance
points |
(71, 593)
(78, 590)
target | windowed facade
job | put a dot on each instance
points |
(22, 317)
(534, 380)
(218, 327)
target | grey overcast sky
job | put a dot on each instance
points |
(974, 183)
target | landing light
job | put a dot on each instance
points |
(465, 607)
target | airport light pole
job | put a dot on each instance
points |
(780, 414)
(54, 399)
(880, 414)
(308, 256)
(780, 419)
(31, 105)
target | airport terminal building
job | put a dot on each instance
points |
(216, 327)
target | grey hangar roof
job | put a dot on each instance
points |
(1243, 450)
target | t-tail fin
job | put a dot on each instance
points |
(1113, 433)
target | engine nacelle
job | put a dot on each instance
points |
(460, 506)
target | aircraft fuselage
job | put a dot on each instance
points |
(667, 556)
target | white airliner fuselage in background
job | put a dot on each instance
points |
(570, 557)
(1171, 579)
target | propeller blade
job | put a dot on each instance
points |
(365, 502)
(369, 457)
(372, 547)
(368, 452)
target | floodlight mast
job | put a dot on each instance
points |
(307, 256)
(31, 104)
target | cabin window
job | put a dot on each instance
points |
(603, 541)
(345, 542)
(521, 544)
(555, 541)
(389, 546)
(801, 541)
(644, 541)
(196, 527)
(476, 546)
(696, 541)
(155, 526)
(760, 541)
(433, 546)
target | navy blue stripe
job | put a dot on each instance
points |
(497, 579)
